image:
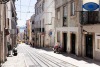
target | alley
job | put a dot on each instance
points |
(37, 58)
(45, 57)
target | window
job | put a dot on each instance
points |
(43, 5)
(98, 43)
(32, 30)
(32, 22)
(58, 36)
(65, 16)
(72, 8)
(58, 14)
(40, 26)
(40, 9)
(43, 23)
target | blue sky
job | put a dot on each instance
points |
(25, 11)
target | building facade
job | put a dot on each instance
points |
(33, 32)
(67, 26)
(90, 23)
(39, 22)
(7, 19)
(77, 30)
(28, 31)
(45, 18)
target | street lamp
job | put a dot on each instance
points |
(3, 1)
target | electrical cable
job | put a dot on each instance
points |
(20, 9)
(23, 5)
(28, 9)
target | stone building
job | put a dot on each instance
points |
(67, 25)
(77, 30)
(7, 20)
(39, 21)
(90, 24)
(28, 31)
(45, 18)
(32, 21)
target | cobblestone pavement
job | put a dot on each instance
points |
(33, 57)
(15, 61)
(36, 58)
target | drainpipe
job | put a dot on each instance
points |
(0, 35)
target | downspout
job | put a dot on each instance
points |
(0, 34)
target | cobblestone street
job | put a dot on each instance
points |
(32, 57)
(15, 61)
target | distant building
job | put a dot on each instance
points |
(28, 31)
(33, 30)
(44, 21)
(21, 36)
(8, 22)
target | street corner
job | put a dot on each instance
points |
(15, 61)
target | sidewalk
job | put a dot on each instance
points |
(73, 59)
(15, 61)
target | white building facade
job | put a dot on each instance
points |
(45, 18)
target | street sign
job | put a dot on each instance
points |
(50, 33)
(90, 5)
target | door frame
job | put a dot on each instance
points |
(92, 44)
(71, 42)
(63, 40)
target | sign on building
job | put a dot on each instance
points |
(90, 5)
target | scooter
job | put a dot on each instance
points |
(57, 49)
(15, 51)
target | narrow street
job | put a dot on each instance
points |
(49, 33)
(38, 58)
(45, 57)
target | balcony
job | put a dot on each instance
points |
(89, 17)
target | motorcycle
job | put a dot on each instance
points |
(57, 49)
(15, 51)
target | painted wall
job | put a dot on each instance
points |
(95, 30)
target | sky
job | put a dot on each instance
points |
(25, 9)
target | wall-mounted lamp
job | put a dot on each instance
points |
(85, 32)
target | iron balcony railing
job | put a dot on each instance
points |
(89, 17)
(40, 29)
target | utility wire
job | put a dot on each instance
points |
(47, 8)
(20, 9)
(23, 5)
(28, 8)
(22, 12)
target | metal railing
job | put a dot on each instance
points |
(89, 17)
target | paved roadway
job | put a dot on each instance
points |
(37, 58)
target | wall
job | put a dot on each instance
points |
(94, 29)
(72, 27)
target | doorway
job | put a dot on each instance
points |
(89, 46)
(73, 42)
(40, 41)
(43, 41)
(64, 42)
